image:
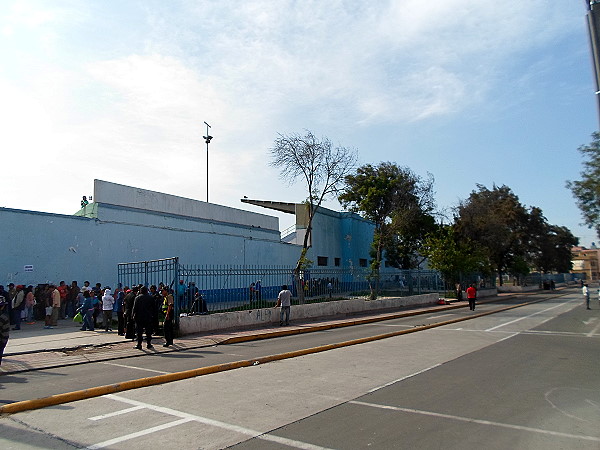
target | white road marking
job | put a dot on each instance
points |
(593, 332)
(508, 337)
(133, 367)
(116, 413)
(437, 317)
(591, 320)
(525, 317)
(480, 421)
(139, 433)
(186, 417)
(403, 378)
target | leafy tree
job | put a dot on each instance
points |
(497, 222)
(587, 190)
(394, 199)
(550, 245)
(453, 256)
(321, 165)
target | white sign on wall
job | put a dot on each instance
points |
(28, 268)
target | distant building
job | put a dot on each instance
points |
(128, 224)
(586, 261)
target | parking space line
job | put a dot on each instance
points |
(525, 317)
(403, 378)
(116, 413)
(134, 367)
(479, 421)
(186, 417)
(139, 433)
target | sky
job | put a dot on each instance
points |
(470, 91)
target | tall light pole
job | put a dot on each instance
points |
(207, 139)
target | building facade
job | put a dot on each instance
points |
(586, 262)
(127, 224)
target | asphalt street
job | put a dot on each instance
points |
(524, 378)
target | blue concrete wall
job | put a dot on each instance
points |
(69, 248)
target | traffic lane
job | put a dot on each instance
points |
(535, 392)
(36, 384)
(580, 320)
(259, 398)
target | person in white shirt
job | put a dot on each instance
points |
(586, 295)
(108, 302)
(284, 299)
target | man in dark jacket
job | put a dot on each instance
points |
(128, 311)
(144, 311)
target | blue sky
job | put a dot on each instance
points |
(470, 91)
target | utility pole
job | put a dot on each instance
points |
(207, 139)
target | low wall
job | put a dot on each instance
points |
(482, 293)
(266, 316)
(518, 288)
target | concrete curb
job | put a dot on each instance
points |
(167, 378)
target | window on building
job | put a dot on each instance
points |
(337, 262)
(362, 262)
(321, 260)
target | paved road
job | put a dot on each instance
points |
(524, 378)
(42, 383)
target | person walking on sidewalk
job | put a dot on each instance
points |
(471, 296)
(4, 326)
(284, 299)
(87, 311)
(144, 309)
(586, 295)
(108, 303)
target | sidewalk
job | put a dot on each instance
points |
(36, 348)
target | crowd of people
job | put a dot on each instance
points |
(134, 310)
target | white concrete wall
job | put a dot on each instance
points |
(266, 316)
(130, 197)
(518, 288)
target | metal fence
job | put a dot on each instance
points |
(205, 289)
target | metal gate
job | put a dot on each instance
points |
(155, 272)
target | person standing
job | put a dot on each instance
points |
(63, 289)
(258, 290)
(128, 301)
(55, 306)
(118, 308)
(168, 310)
(471, 296)
(29, 304)
(18, 305)
(284, 299)
(458, 290)
(87, 310)
(108, 303)
(144, 309)
(586, 295)
(4, 326)
(72, 300)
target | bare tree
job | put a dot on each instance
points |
(321, 165)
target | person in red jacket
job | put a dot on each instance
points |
(471, 296)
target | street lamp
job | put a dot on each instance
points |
(207, 139)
